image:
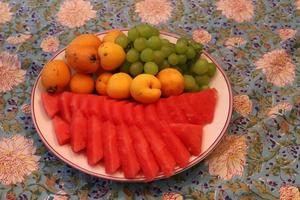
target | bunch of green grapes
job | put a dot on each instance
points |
(147, 52)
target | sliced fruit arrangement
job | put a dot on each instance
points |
(129, 136)
(135, 102)
(124, 66)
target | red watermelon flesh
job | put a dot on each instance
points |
(190, 135)
(139, 114)
(117, 111)
(110, 148)
(106, 109)
(161, 153)
(162, 111)
(173, 143)
(151, 116)
(78, 131)
(50, 103)
(127, 113)
(76, 102)
(128, 157)
(65, 105)
(204, 103)
(144, 154)
(92, 104)
(177, 115)
(62, 130)
(94, 147)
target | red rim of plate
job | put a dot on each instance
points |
(192, 163)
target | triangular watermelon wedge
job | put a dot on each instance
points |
(144, 154)
(190, 135)
(62, 130)
(50, 103)
(94, 148)
(174, 144)
(110, 148)
(65, 105)
(128, 157)
(78, 131)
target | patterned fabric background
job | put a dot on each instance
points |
(256, 42)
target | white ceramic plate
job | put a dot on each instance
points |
(212, 132)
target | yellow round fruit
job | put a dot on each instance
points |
(112, 35)
(55, 76)
(172, 82)
(87, 40)
(145, 88)
(82, 83)
(101, 83)
(111, 55)
(118, 86)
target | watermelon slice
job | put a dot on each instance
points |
(189, 112)
(205, 103)
(65, 105)
(94, 140)
(76, 102)
(62, 130)
(92, 104)
(110, 148)
(175, 113)
(78, 131)
(144, 154)
(139, 116)
(173, 143)
(129, 160)
(162, 111)
(127, 113)
(151, 116)
(117, 110)
(161, 153)
(190, 135)
(107, 105)
(50, 103)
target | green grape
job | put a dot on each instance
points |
(147, 55)
(154, 31)
(133, 34)
(180, 47)
(140, 44)
(173, 59)
(136, 68)
(122, 40)
(197, 46)
(158, 57)
(165, 64)
(144, 30)
(183, 40)
(167, 50)
(182, 59)
(132, 55)
(190, 53)
(202, 80)
(204, 87)
(165, 42)
(184, 68)
(196, 88)
(189, 83)
(200, 67)
(150, 68)
(154, 43)
(125, 67)
(211, 69)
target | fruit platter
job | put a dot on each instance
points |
(132, 105)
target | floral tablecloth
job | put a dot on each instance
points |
(256, 42)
